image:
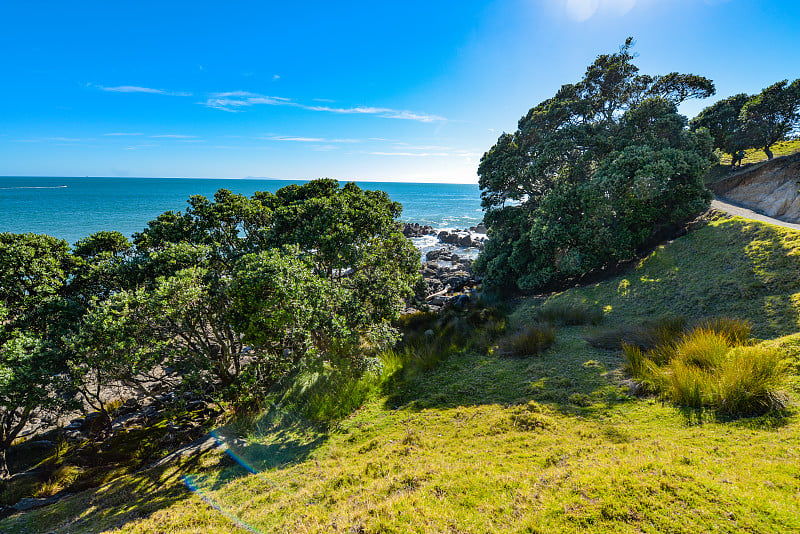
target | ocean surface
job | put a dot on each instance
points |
(73, 208)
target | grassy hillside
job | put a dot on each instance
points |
(489, 443)
(754, 155)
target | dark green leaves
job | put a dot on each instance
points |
(592, 174)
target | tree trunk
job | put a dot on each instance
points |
(768, 152)
(4, 474)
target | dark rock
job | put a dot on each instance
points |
(416, 230)
(29, 503)
(75, 424)
(457, 280)
(129, 421)
(460, 301)
(28, 453)
(94, 423)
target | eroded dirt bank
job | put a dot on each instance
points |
(770, 188)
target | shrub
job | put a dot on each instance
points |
(569, 313)
(534, 339)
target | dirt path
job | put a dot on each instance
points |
(739, 211)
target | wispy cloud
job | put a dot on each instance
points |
(138, 147)
(174, 136)
(305, 139)
(412, 154)
(62, 139)
(385, 113)
(237, 101)
(234, 101)
(137, 89)
(426, 152)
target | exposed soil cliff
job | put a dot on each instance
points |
(770, 188)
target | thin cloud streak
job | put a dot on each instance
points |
(237, 101)
(412, 154)
(305, 139)
(137, 89)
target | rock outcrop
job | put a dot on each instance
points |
(770, 188)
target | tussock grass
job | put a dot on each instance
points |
(646, 335)
(704, 368)
(532, 340)
(752, 381)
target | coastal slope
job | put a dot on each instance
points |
(483, 442)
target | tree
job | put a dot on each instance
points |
(772, 114)
(592, 174)
(34, 313)
(721, 119)
(229, 295)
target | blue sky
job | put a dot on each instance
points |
(388, 91)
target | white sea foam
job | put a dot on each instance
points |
(37, 187)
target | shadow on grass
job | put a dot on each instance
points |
(275, 443)
(570, 377)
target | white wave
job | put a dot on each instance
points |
(36, 187)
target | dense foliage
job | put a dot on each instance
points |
(592, 174)
(34, 310)
(753, 121)
(221, 301)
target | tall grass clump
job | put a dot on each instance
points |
(569, 313)
(709, 366)
(646, 336)
(752, 381)
(531, 340)
(663, 331)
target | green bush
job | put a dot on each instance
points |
(592, 175)
(532, 340)
(569, 313)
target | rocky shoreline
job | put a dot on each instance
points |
(447, 268)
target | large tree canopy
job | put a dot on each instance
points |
(235, 291)
(592, 174)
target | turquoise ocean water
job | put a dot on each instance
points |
(72, 208)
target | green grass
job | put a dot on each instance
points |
(466, 440)
(755, 155)
(569, 313)
(731, 267)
